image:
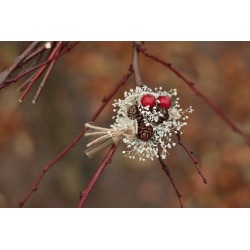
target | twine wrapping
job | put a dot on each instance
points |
(105, 137)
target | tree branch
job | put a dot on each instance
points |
(191, 155)
(107, 160)
(37, 52)
(4, 75)
(24, 73)
(75, 140)
(138, 81)
(39, 90)
(167, 172)
(54, 52)
(209, 103)
(26, 83)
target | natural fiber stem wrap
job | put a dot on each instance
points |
(104, 137)
(92, 151)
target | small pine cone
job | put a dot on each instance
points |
(165, 114)
(134, 114)
(144, 132)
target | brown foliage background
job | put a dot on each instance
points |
(31, 135)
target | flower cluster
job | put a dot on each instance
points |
(157, 115)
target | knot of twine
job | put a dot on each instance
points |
(105, 137)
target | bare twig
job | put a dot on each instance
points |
(190, 84)
(40, 71)
(191, 155)
(26, 83)
(167, 172)
(38, 51)
(138, 80)
(75, 140)
(51, 65)
(24, 73)
(107, 160)
(4, 75)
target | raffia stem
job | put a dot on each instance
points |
(105, 137)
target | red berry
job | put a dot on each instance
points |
(164, 101)
(148, 100)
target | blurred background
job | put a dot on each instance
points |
(32, 135)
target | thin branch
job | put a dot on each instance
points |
(26, 83)
(138, 80)
(167, 172)
(51, 65)
(38, 51)
(4, 75)
(190, 84)
(107, 160)
(40, 71)
(24, 73)
(75, 140)
(191, 155)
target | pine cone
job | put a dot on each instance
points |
(144, 132)
(165, 114)
(134, 114)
